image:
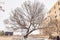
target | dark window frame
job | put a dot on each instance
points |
(55, 16)
(59, 9)
(55, 12)
(58, 3)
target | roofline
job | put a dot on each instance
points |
(52, 7)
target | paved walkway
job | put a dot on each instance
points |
(30, 38)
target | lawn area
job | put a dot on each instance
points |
(6, 37)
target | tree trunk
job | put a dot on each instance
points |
(29, 33)
(26, 36)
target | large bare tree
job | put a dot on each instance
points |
(30, 17)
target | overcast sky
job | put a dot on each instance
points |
(9, 5)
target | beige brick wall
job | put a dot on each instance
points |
(54, 14)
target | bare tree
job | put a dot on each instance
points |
(30, 17)
(54, 23)
(53, 26)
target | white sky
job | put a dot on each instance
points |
(12, 4)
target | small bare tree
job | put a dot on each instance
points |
(30, 17)
(54, 23)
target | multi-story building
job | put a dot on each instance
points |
(54, 15)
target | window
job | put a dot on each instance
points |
(56, 16)
(58, 3)
(59, 8)
(55, 11)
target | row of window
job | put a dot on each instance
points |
(55, 11)
(55, 7)
(59, 9)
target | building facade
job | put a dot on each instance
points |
(54, 15)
